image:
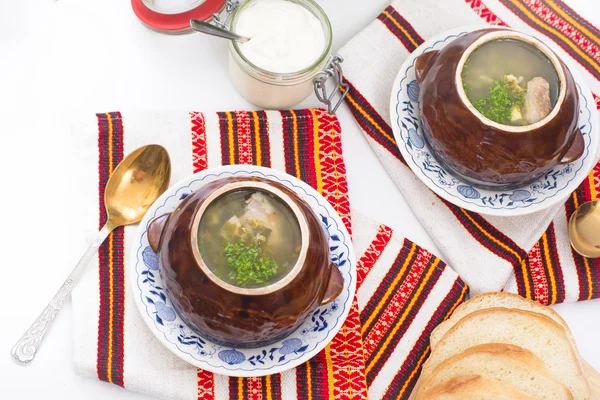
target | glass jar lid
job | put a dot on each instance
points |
(173, 16)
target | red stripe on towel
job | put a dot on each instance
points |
(400, 28)
(406, 377)
(110, 357)
(371, 255)
(199, 149)
(485, 13)
(206, 380)
(405, 302)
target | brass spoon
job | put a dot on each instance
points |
(134, 185)
(584, 229)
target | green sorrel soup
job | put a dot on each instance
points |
(510, 82)
(249, 238)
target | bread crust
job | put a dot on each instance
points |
(548, 324)
(523, 356)
(499, 297)
(474, 387)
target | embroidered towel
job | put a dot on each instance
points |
(403, 290)
(529, 255)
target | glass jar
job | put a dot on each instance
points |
(272, 90)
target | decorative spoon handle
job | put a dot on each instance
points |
(26, 347)
(205, 27)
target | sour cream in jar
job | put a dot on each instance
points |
(285, 37)
(290, 44)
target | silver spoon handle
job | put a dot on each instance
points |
(205, 27)
(26, 347)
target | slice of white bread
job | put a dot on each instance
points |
(496, 299)
(532, 331)
(473, 387)
(506, 363)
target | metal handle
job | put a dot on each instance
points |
(209, 29)
(25, 349)
(230, 6)
(333, 70)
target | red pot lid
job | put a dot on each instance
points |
(174, 16)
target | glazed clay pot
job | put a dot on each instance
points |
(478, 150)
(232, 315)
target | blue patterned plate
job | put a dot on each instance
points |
(553, 188)
(310, 338)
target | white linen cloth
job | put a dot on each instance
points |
(372, 60)
(150, 368)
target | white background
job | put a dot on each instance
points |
(86, 56)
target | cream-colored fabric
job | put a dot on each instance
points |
(372, 60)
(148, 366)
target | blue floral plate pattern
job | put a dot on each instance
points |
(552, 188)
(158, 313)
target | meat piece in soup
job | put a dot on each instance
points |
(537, 100)
(510, 82)
(249, 238)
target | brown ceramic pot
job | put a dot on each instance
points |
(232, 315)
(477, 149)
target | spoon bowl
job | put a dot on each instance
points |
(136, 183)
(584, 229)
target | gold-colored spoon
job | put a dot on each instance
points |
(134, 185)
(584, 229)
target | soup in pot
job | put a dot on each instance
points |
(510, 82)
(249, 238)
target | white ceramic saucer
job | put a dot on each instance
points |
(162, 320)
(553, 188)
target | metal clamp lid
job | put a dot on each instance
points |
(230, 6)
(334, 71)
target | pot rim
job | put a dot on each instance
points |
(300, 218)
(539, 45)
